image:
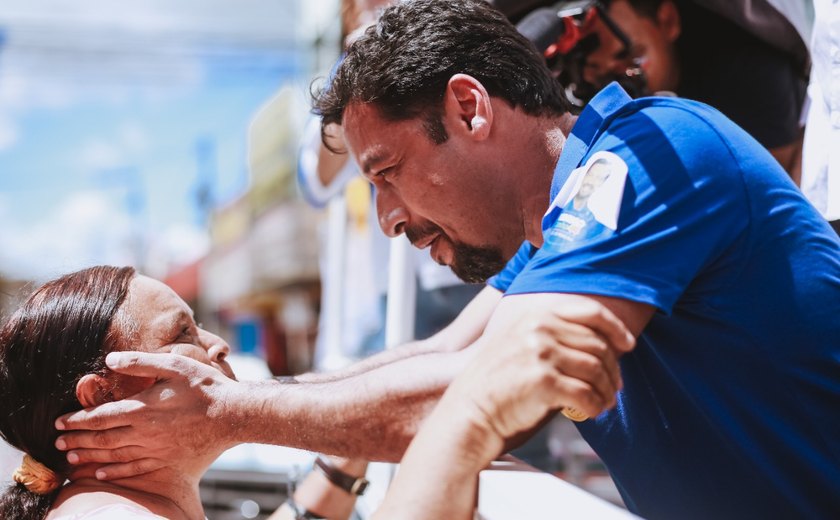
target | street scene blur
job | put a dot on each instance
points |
(164, 135)
(178, 137)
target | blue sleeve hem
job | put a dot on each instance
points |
(599, 283)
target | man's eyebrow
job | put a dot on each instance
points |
(369, 160)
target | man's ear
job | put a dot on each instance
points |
(467, 106)
(93, 390)
(668, 21)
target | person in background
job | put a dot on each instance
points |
(322, 175)
(687, 49)
(329, 491)
(821, 157)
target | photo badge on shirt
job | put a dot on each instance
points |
(588, 204)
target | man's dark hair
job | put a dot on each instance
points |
(402, 64)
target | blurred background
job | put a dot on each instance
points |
(163, 134)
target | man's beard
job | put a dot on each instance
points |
(476, 264)
(472, 264)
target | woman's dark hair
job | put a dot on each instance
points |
(62, 332)
(402, 64)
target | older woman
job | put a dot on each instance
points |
(52, 361)
(52, 354)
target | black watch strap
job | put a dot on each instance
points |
(349, 483)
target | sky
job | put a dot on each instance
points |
(103, 108)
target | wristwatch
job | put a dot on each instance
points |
(353, 485)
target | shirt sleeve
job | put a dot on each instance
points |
(683, 206)
(310, 186)
(514, 266)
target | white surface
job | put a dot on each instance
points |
(10, 459)
(402, 294)
(821, 155)
(379, 474)
(265, 458)
(512, 489)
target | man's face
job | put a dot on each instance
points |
(651, 43)
(431, 192)
(594, 178)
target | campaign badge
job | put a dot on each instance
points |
(588, 204)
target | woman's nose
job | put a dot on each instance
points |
(217, 348)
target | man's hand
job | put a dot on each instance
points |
(538, 363)
(542, 363)
(185, 415)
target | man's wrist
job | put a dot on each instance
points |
(248, 405)
(351, 483)
(464, 433)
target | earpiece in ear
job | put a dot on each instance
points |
(477, 122)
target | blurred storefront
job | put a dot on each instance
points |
(11, 292)
(259, 284)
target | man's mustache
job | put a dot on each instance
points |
(419, 233)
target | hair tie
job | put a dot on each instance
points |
(37, 478)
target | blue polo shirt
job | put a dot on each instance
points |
(731, 399)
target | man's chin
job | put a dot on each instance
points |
(477, 264)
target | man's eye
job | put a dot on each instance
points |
(384, 172)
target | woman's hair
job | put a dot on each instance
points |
(62, 332)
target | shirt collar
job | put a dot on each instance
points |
(602, 108)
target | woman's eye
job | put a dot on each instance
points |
(186, 332)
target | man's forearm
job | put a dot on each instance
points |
(438, 477)
(459, 334)
(373, 415)
(380, 359)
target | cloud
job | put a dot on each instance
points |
(178, 245)
(129, 142)
(86, 228)
(90, 228)
(133, 137)
(99, 155)
(8, 133)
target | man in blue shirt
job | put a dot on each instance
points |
(731, 391)
(703, 249)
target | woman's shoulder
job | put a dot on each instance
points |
(109, 512)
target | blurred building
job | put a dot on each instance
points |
(259, 284)
(11, 294)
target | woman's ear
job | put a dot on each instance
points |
(93, 390)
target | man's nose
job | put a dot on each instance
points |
(392, 214)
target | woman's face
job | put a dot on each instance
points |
(165, 324)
